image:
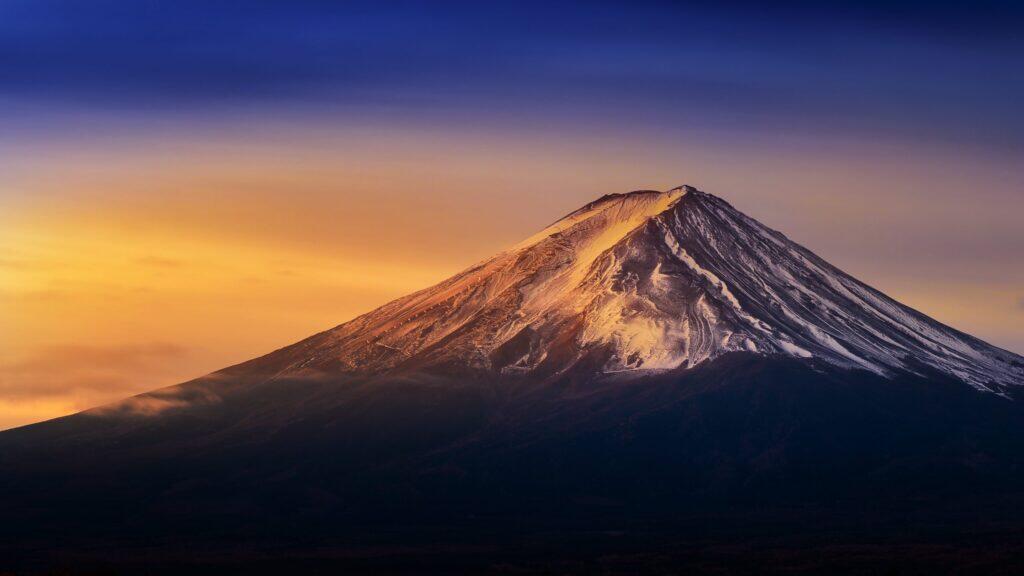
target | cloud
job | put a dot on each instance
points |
(19, 264)
(141, 406)
(160, 401)
(89, 373)
(159, 262)
(42, 295)
(77, 355)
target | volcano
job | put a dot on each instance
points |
(653, 377)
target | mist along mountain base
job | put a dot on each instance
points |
(655, 381)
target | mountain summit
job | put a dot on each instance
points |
(654, 364)
(647, 282)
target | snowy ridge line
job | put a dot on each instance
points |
(715, 281)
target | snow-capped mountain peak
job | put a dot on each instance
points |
(650, 281)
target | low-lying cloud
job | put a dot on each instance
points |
(83, 375)
(159, 262)
(160, 401)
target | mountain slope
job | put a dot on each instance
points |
(653, 363)
(641, 282)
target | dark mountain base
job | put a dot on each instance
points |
(776, 542)
(570, 553)
(744, 465)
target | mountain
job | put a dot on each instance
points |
(653, 363)
(645, 282)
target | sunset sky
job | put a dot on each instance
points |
(185, 185)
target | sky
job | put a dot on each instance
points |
(185, 185)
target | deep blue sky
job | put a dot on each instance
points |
(943, 71)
